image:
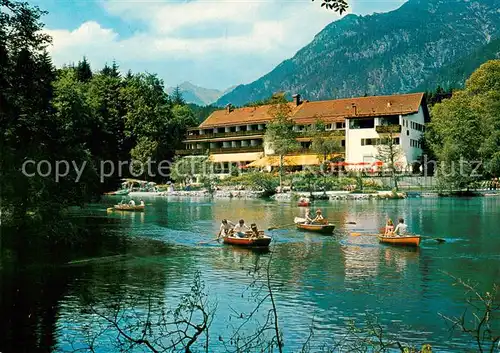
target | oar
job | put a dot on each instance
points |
(439, 240)
(284, 226)
(206, 242)
(356, 234)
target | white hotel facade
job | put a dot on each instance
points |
(236, 135)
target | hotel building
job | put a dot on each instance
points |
(236, 136)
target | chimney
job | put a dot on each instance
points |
(296, 99)
(229, 108)
(354, 109)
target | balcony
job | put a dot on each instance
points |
(387, 129)
(200, 151)
(226, 134)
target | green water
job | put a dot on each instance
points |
(320, 282)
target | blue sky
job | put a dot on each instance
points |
(211, 43)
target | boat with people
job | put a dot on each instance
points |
(126, 207)
(302, 224)
(122, 192)
(303, 202)
(410, 240)
(249, 240)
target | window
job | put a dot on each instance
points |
(342, 143)
(340, 125)
(328, 127)
(407, 132)
(396, 141)
(389, 120)
(362, 123)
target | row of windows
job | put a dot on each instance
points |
(361, 123)
(375, 142)
(415, 143)
(414, 125)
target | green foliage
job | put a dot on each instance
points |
(464, 132)
(280, 134)
(201, 113)
(183, 169)
(324, 143)
(71, 115)
(275, 98)
(254, 180)
(176, 97)
(390, 154)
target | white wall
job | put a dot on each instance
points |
(356, 153)
(411, 153)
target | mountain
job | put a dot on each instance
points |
(383, 53)
(199, 95)
(455, 75)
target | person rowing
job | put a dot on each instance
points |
(319, 219)
(240, 229)
(226, 228)
(401, 228)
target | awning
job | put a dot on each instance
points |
(274, 161)
(235, 157)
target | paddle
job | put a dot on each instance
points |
(439, 240)
(206, 242)
(278, 227)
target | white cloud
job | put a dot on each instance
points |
(275, 30)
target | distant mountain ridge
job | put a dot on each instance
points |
(199, 95)
(384, 53)
(455, 75)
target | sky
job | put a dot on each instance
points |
(210, 43)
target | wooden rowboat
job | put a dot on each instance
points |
(122, 192)
(403, 241)
(318, 228)
(138, 208)
(262, 241)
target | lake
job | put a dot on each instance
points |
(323, 283)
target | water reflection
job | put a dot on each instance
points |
(328, 279)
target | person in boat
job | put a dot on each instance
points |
(401, 228)
(142, 203)
(132, 203)
(319, 219)
(255, 231)
(389, 228)
(226, 228)
(240, 229)
(308, 216)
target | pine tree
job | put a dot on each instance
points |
(83, 70)
(176, 97)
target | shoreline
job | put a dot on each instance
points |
(295, 195)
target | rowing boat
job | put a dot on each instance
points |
(261, 241)
(318, 228)
(403, 241)
(122, 192)
(137, 208)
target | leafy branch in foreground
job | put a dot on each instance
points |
(479, 322)
(339, 6)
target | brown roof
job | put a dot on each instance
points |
(328, 111)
